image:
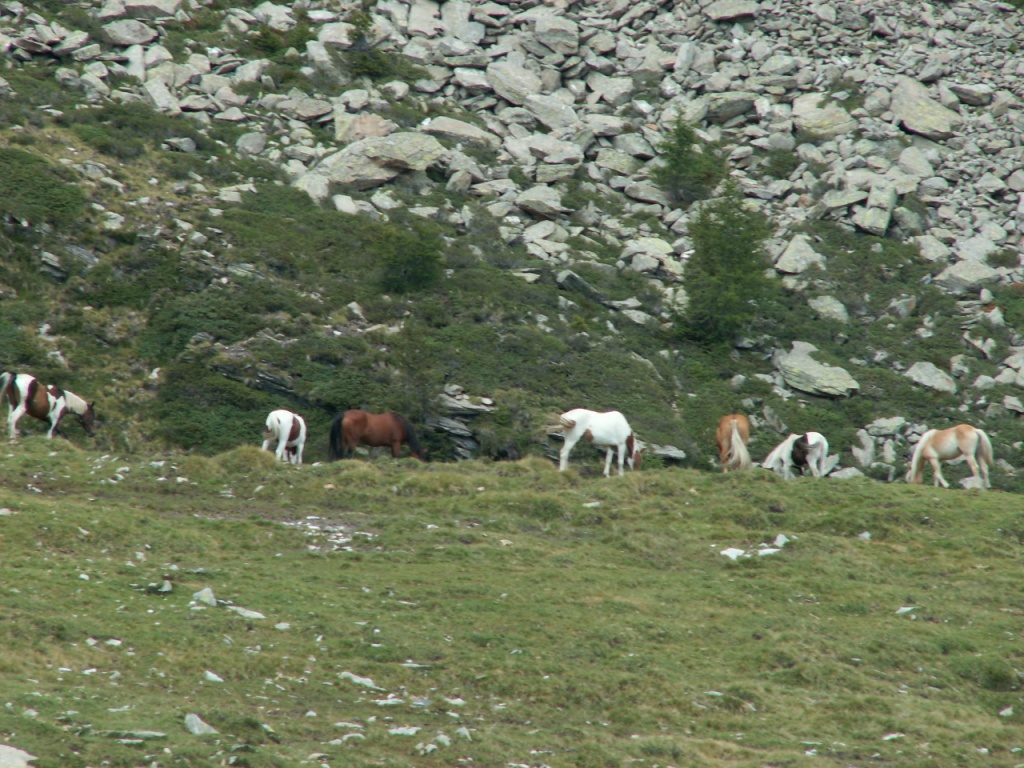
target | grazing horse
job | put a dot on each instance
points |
(732, 436)
(26, 394)
(799, 452)
(289, 430)
(605, 430)
(353, 427)
(937, 445)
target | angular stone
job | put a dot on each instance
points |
(919, 113)
(821, 121)
(802, 372)
(929, 375)
(799, 256)
(129, 32)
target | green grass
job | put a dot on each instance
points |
(558, 618)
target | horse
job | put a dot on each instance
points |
(800, 452)
(732, 436)
(289, 430)
(26, 394)
(937, 445)
(353, 427)
(605, 430)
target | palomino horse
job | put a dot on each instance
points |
(605, 430)
(732, 436)
(289, 430)
(798, 452)
(937, 445)
(351, 428)
(26, 394)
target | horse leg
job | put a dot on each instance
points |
(608, 462)
(12, 420)
(563, 455)
(622, 458)
(976, 470)
(396, 449)
(938, 479)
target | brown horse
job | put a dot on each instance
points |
(732, 436)
(24, 393)
(353, 427)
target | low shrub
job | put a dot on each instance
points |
(33, 190)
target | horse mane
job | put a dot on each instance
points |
(410, 436)
(334, 451)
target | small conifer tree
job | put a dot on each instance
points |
(689, 169)
(725, 277)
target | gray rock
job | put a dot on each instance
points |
(799, 256)
(829, 308)
(512, 82)
(966, 276)
(928, 375)
(821, 120)
(542, 201)
(460, 131)
(12, 757)
(195, 725)
(129, 32)
(802, 372)
(727, 10)
(920, 113)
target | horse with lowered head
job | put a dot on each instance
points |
(289, 431)
(798, 452)
(355, 427)
(938, 445)
(732, 436)
(605, 430)
(24, 393)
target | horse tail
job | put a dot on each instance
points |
(335, 451)
(6, 380)
(410, 438)
(915, 471)
(984, 449)
(739, 455)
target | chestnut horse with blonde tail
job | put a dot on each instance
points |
(732, 436)
(937, 445)
(355, 427)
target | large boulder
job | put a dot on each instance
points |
(803, 372)
(919, 113)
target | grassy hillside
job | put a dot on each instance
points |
(499, 614)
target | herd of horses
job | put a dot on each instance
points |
(285, 434)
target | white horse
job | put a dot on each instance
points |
(796, 452)
(606, 430)
(289, 430)
(937, 445)
(24, 393)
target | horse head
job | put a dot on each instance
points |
(88, 419)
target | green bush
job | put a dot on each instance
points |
(689, 169)
(197, 409)
(32, 190)
(363, 59)
(126, 131)
(412, 257)
(724, 277)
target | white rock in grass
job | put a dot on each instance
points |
(905, 609)
(404, 730)
(195, 726)
(366, 682)
(12, 757)
(245, 612)
(205, 596)
(732, 553)
(211, 677)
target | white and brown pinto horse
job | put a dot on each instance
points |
(289, 431)
(24, 393)
(732, 436)
(798, 452)
(605, 430)
(938, 445)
